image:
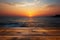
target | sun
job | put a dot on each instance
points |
(30, 13)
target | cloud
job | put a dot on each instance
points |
(49, 10)
(23, 2)
(53, 6)
(11, 3)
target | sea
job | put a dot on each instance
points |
(29, 28)
(29, 22)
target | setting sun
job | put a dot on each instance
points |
(30, 13)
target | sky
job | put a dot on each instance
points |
(29, 7)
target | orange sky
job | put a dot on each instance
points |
(29, 9)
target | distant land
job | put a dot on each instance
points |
(27, 17)
(56, 16)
